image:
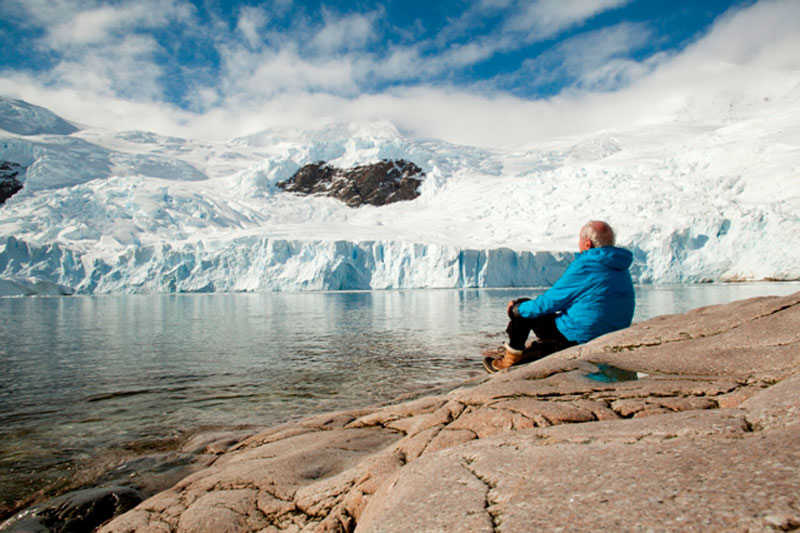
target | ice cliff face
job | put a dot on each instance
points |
(262, 264)
(111, 212)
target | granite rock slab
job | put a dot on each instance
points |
(700, 435)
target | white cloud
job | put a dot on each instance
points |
(86, 27)
(594, 60)
(767, 33)
(524, 22)
(97, 25)
(264, 83)
(42, 13)
(494, 4)
(662, 87)
(410, 63)
(543, 19)
(123, 68)
(463, 55)
(353, 32)
(110, 49)
(252, 76)
(251, 21)
(400, 63)
(104, 49)
(282, 6)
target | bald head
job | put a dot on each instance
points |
(596, 234)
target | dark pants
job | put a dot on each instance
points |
(549, 339)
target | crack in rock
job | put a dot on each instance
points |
(427, 444)
(494, 515)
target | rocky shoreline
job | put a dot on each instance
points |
(681, 423)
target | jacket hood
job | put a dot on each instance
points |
(610, 256)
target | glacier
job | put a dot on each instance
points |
(697, 196)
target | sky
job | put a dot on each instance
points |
(481, 72)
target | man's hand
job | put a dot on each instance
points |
(512, 310)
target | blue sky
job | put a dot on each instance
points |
(216, 68)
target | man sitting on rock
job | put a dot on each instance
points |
(593, 297)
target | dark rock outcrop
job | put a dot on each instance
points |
(80, 510)
(379, 183)
(9, 184)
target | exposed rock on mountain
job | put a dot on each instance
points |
(9, 184)
(699, 434)
(374, 184)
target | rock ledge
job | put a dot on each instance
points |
(704, 439)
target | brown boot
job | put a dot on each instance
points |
(510, 358)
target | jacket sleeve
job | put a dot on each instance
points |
(558, 297)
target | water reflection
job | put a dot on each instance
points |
(611, 374)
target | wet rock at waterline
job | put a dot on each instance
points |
(80, 510)
(704, 438)
(122, 486)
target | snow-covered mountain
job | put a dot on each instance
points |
(695, 197)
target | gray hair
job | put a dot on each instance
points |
(599, 232)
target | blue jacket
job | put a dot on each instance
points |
(593, 297)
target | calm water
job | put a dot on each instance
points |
(83, 378)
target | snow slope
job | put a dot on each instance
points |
(696, 197)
